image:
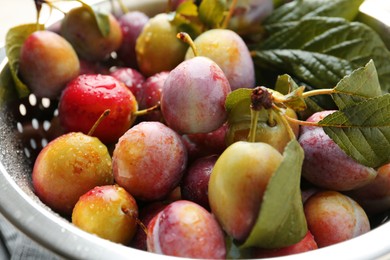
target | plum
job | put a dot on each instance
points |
(237, 185)
(374, 197)
(333, 218)
(206, 144)
(271, 127)
(185, 229)
(150, 95)
(131, 24)
(68, 167)
(149, 161)
(326, 165)
(193, 97)
(108, 212)
(47, 63)
(195, 182)
(80, 28)
(146, 214)
(157, 48)
(229, 51)
(86, 97)
(132, 78)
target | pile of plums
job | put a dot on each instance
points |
(146, 158)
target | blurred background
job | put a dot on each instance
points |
(13, 13)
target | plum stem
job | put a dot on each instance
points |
(100, 119)
(185, 37)
(253, 126)
(38, 7)
(260, 98)
(324, 91)
(229, 14)
(300, 122)
(285, 119)
(137, 220)
(147, 110)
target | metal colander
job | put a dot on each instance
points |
(28, 124)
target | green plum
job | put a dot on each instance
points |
(237, 185)
(157, 47)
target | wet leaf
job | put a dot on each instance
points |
(13, 43)
(361, 84)
(362, 130)
(281, 221)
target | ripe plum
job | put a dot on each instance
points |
(193, 97)
(68, 167)
(149, 160)
(108, 212)
(195, 182)
(86, 97)
(327, 166)
(131, 24)
(333, 218)
(47, 63)
(185, 229)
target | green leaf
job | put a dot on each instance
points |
(362, 130)
(236, 97)
(187, 8)
(281, 221)
(293, 93)
(285, 84)
(354, 43)
(186, 19)
(101, 18)
(103, 22)
(301, 9)
(14, 40)
(7, 88)
(212, 12)
(363, 83)
(315, 69)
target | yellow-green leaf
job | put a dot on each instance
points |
(281, 221)
(14, 40)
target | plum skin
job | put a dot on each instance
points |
(47, 63)
(159, 34)
(131, 24)
(183, 228)
(195, 182)
(229, 51)
(107, 211)
(149, 161)
(237, 185)
(68, 167)
(374, 197)
(79, 27)
(193, 97)
(85, 99)
(333, 218)
(326, 165)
